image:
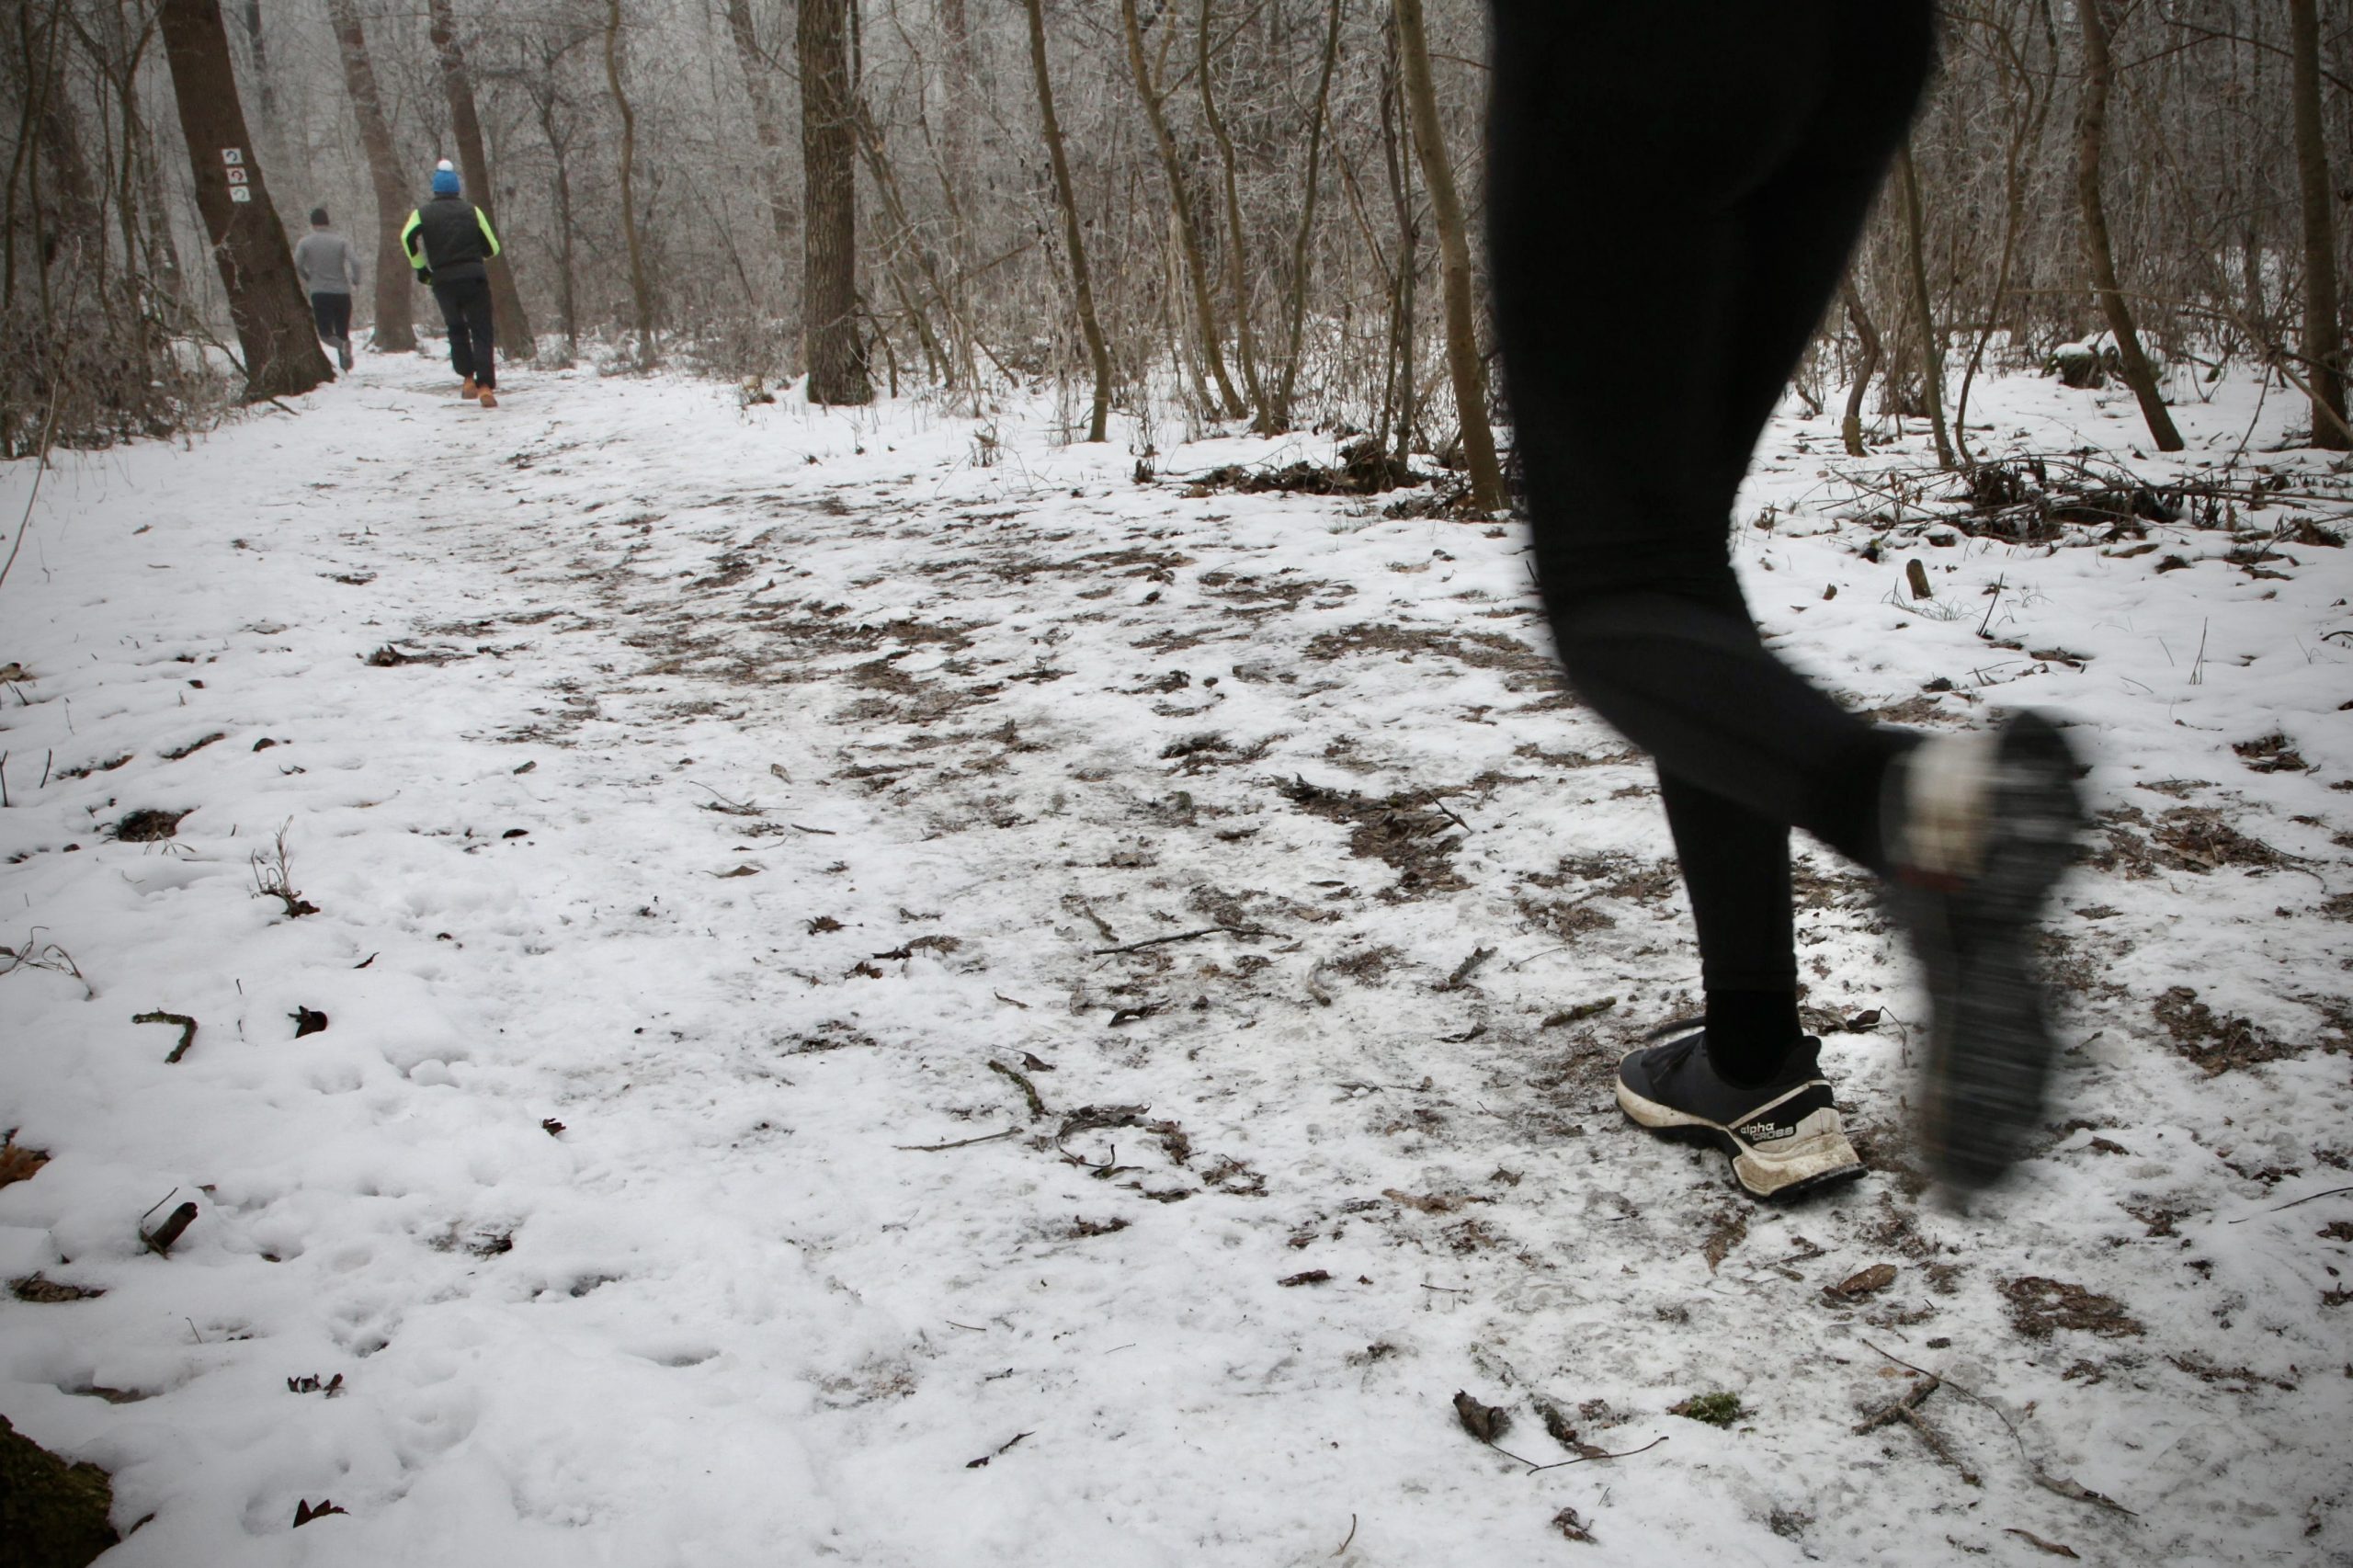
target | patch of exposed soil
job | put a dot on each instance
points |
(2185, 838)
(2217, 1042)
(2039, 1305)
(1364, 469)
(148, 826)
(1524, 668)
(1564, 920)
(1410, 831)
(1283, 591)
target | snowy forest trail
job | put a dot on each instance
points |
(895, 994)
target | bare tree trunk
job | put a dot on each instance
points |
(905, 242)
(266, 300)
(641, 296)
(395, 328)
(2026, 129)
(507, 302)
(2091, 131)
(1923, 307)
(1188, 233)
(1398, 155)
(1850, 427)
(1468, 371)
(266, 96)
(2324, 345)
(1092, 330)
(1237, 253)
(766, 125)
(1279, 415)
(829, 240)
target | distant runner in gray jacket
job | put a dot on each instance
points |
(329, 272)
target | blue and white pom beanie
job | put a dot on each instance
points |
(445, 178)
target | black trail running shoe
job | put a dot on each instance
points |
(1989, 822)
(1784, 1138)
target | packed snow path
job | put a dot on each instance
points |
(896, 995)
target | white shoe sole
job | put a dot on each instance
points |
(1816, 1155)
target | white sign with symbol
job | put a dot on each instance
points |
(236, 177)
(241, 193)
(232, 155)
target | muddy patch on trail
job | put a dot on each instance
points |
(1153, 565)
(1524, 668)
(2039, 1305)
(2217, 1042)
(1412, 832)
(1285, 591)
(2185, 838)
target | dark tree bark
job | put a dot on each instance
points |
(2324, 343)
(1237, 243)
(1850, 427)
(1189, 238)
(265, 95)
(1923, 306)
(641, 294)
(266, 300)
(829, 236)
(395, 328)
(507, 302)
(1097, 354)
(1467, 369)
(2091, 136)
(1280, 414)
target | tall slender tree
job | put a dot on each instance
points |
(266, 300)
(1465, 366)
(829, 233)
(2323, 340)
(1923, 306)
(767, 126)
(639, 290)
(1097, 356)
(1189, 239)
(396, 327)
(1281, 412)
(441, 25)
(2099, 254)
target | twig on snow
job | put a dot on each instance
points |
(2062, 1485)
(959, 1144)
(1467, 968)
(188, 1030)
(2308, 1198)
(1588, 1459)
(1182, 937)
(1029, 1090)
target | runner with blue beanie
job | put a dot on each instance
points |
(450, 243)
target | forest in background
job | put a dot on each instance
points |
(1220, 212)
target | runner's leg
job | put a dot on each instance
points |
(451, 297)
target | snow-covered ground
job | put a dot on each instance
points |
(722, 823)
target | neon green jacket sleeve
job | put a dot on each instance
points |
(411, 242)
(491, 239)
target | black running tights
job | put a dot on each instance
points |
(332, 314)
(465, 306)
(1674, 189)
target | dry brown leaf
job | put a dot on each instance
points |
(1878, 1277)
(2052, 1547)
(1484, 1422)
(19, 1162)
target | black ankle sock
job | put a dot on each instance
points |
(1751, 1034)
